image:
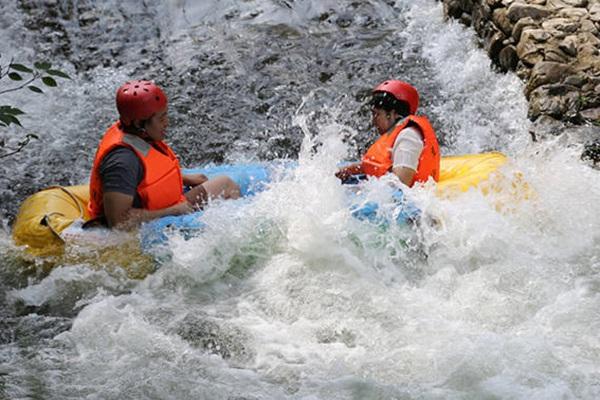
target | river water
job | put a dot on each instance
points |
(288, 296)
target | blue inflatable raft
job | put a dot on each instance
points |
(253, 179)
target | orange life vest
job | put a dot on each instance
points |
(377, 161)
(162, 185)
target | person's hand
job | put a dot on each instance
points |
(182, 208)
(343, 174)
(194, 179)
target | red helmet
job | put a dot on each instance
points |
(139, 100)
(402, 91)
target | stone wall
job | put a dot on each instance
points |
(553, 45)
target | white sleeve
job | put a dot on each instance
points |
(407, 148)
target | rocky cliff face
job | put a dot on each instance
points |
(553, 45)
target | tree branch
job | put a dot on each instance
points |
(21, 145)
(35, 76)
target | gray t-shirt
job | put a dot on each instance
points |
(122, 171)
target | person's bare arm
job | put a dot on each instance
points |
(349, 170)
(405, 174)
(194, 179)
(120, 214)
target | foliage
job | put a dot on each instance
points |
(23, 76)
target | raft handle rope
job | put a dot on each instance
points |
(46, 219)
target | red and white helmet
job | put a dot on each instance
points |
(401, 91)
(139, 100)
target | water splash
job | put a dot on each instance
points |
(287, 295)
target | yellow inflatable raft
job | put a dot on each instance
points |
(46, 214)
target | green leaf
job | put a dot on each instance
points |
(10, 119)
(43, 65)
(35, 89)
(15, 77)
(58, 73)
(20, 68)
(16, 111)
(10, 110)
(48, 81)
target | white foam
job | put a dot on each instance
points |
(504, 305)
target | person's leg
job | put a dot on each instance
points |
(220, 186)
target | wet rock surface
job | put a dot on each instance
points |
(90, 34)
(224, 340)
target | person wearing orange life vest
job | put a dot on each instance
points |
(136, 176)
(407, 147)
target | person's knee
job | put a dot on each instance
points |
(233, 189)
(223, 186)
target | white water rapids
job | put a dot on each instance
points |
(289, 297)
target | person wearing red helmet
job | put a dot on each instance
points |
(407, 145)
(136, 176)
